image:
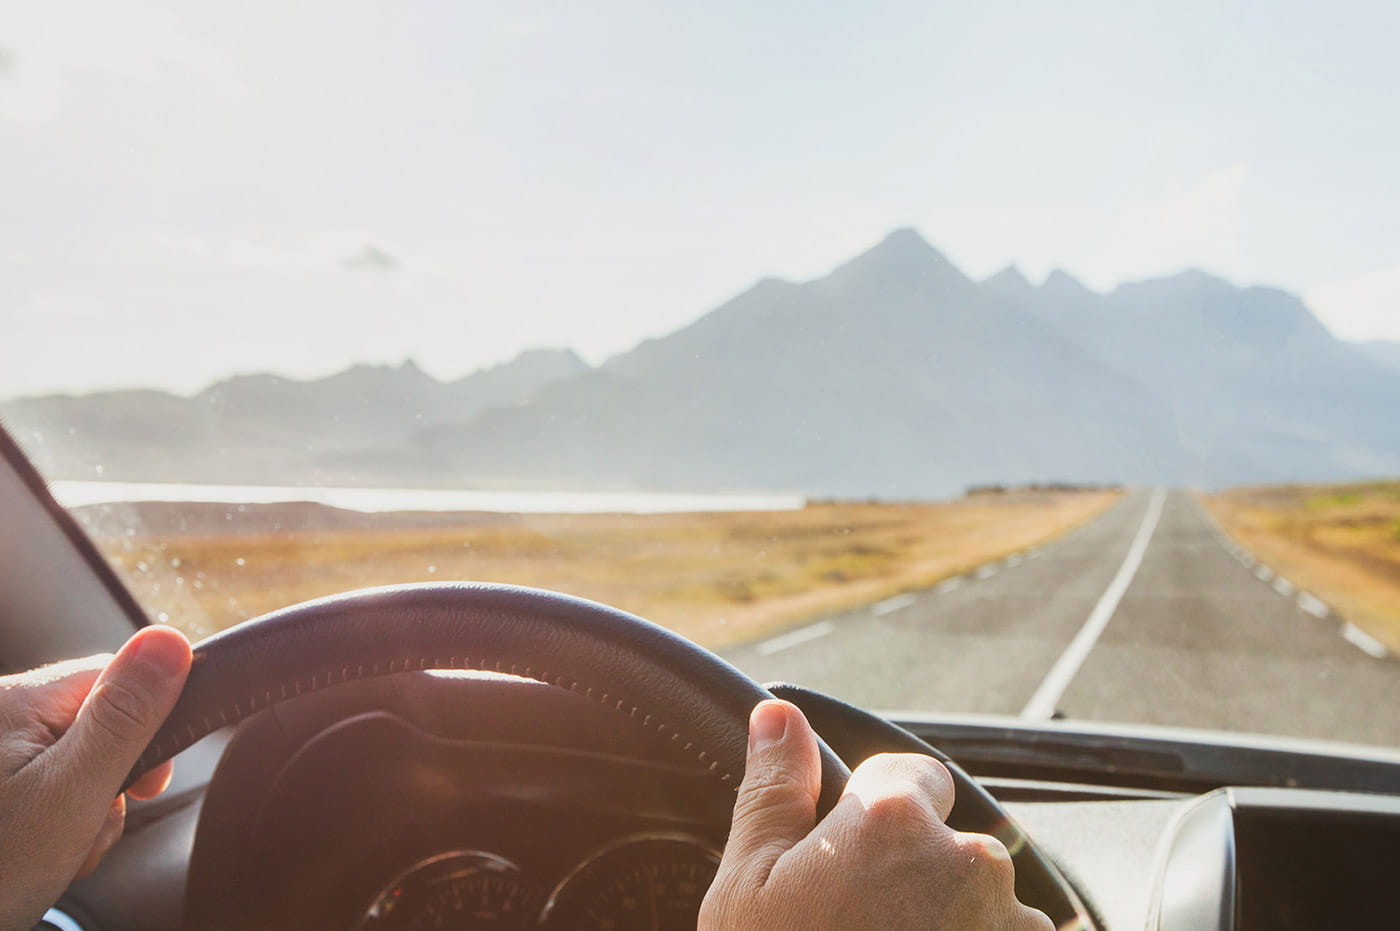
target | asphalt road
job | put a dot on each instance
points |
(1146, 614)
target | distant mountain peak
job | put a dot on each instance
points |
(1009, 280)
(903, 254)
(408, 369)
(563, 354)
(906, 235)
(1199, 278)
(1190, 280)
(1062, 282)
(371, 376)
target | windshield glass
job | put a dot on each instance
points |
(986, 357)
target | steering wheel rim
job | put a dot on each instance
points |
(658, 679)
(646, 673)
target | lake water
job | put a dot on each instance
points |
(74, 494)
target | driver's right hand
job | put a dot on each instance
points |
(883, 858)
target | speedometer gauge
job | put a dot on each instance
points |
(463, 890)
(648, 882)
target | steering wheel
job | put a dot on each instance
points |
(656, 679)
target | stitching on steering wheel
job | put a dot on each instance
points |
(157, 750)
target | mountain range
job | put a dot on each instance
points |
(1386, 352)
(266, 429)
(895, 375)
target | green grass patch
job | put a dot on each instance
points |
(1338, 499)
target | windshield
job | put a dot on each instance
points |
(997, 358)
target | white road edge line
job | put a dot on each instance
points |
(949, 585)
(1364, 641)
(1043, 702)
(986, 572)
(799, 636)
(891, 605)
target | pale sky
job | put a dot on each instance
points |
(202, 188)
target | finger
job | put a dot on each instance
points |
(50, 695)
(153, 783)
(894, 779)
(36, 707)
(777, 802)
(83, 670)
(107, 835)
(122, 712)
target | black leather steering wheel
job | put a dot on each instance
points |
(655, 678)
(659, 680)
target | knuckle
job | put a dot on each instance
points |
(886, 764)
(770, 779)
(121, 713)
(765, 785)
(900, 807)
(933, 776)
(930, 778)
(987, 859)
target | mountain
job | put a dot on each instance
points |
(1258, 389)
(266, 428)
(895, 375)
(1009, 283)
(1386, 352)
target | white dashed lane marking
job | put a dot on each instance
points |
(891, 605)
(949, 585)
(796, 638)
(1309, 603)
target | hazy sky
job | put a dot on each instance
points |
(199, 188)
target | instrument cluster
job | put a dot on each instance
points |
(649, 881)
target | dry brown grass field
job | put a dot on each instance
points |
(1340, 542)
(718, 578)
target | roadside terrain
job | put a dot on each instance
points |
(1147, 614)
(718, 578)
(1340, 542)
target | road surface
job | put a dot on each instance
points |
(1146, 614)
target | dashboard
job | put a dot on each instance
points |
(467, 801)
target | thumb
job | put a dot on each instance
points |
(777, 802)
(126, 706)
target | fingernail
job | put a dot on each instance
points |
(166, 652)
(767, 724)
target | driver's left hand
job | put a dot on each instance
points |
(69, 734)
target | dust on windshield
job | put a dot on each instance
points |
(999, 360)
